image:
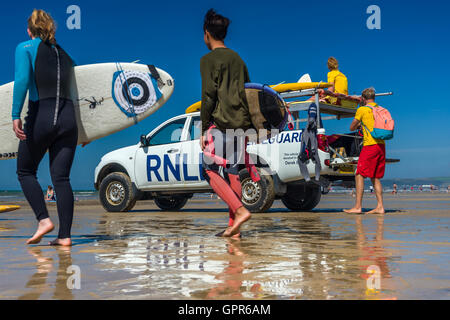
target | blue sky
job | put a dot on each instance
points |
(279, 41)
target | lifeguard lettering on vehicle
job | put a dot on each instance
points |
(167, 164)
(283, 138)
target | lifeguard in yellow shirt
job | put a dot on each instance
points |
(335, 77)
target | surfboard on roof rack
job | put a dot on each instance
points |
(280, 88)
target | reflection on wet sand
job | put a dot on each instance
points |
(149, 254)
(37, 282)
(299, 263)
(231, 276)
(374, 268)
(44, 265)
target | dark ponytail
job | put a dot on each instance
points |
(216, 25)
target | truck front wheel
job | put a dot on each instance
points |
(257, 196)
(302, 198)
(116, 193)
(171, 203)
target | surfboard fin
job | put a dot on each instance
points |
(304, 78)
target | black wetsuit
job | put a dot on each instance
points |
(50, 125)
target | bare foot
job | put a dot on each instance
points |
(45, 226)
(242, 215)
(353, 211)
(61, 242)
(376, 211)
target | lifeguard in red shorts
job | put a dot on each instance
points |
(372, 160)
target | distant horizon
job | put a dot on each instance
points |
(400, 57)
(383, 181)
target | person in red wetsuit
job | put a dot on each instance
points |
(224, 109)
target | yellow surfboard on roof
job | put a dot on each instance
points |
(194, 107)
(7, 208)
(285, 87)
(280, 88)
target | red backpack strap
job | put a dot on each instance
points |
(371, 107)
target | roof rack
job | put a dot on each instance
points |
(347, 110)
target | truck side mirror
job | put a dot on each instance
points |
(144, 141)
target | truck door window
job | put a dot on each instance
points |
(196, 128)
(170, 133)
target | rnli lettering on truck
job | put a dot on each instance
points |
(154, 163)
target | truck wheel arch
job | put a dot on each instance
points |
(107, 169)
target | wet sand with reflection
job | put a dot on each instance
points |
(149, 254)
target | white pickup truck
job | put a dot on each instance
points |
(166, 166)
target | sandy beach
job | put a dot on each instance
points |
(150, 254)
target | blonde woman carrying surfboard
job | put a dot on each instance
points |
(44, 70)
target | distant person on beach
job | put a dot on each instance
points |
(44, 70)
(394, 191)
(224, 106)
(372, 160)
(50, 196)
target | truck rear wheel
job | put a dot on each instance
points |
(257, 196)
(302, 198)
(116, 193)
(171, 203)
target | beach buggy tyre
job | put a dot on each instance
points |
(171, 203)
(116, 193)
(302, 198)
(257, 196)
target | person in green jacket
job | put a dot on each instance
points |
(224, 107)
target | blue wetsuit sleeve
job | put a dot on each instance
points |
(23, 74)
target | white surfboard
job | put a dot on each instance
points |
(108, 97)
(304, 78)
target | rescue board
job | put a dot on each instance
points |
(194, 107)
(280, 88)
(7, 208)
(285, 87)
(108, 97)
